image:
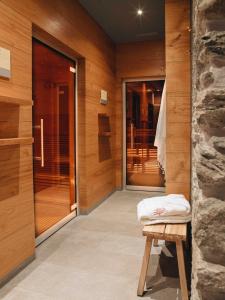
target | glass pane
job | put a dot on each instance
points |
(142, 110)
(53, 131)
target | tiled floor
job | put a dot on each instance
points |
(97, 257)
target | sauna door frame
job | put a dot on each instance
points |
(45, 235)
(124, 167)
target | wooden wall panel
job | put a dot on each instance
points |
(15, 35)
(11, 256)
(67, 26)
(143, 59)
(67, 22)
(178, 96)
(16, 186)
(134, 60)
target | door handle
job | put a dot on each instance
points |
(42, 157)
(42, 144)
(132, 135)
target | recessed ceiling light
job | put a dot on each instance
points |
(139, 12)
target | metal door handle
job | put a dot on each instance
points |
(132, 135)
(42, 144)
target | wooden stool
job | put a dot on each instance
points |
(168, 232)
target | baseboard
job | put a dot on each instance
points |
(49, 232)
(119, 188)
(87, 211)
(15, 271)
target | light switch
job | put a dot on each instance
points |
(5, 68)
(104, 97)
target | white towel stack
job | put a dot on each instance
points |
(173, 208)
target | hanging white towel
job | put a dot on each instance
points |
(160, 137)
(173, 208)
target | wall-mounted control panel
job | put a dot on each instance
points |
(104, 97)
(5, 65)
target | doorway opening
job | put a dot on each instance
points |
(54, 87)
(142, 168)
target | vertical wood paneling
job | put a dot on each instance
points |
(16, 186)
(69, 23)
(178, 96)
(80, 36)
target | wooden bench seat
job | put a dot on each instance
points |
(167, 232)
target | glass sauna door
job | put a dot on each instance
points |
(53, 131)
(143, 100)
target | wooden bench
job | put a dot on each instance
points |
(168, 232)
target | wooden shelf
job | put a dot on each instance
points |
(18, 101)
(16, 141)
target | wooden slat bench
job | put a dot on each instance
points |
(168, 232)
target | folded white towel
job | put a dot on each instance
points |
(173, 208)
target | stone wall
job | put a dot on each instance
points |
(208, 135)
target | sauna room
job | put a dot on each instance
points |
(110, 174)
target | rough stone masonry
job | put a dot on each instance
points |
(208, 150)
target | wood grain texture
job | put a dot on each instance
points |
(67, 22)
(181, 267)
(67, 26)
(15, 35)
(155, 231)
(176, 232)
(16, 186)
(140, 59)
(168, 232)
(144, 268)
(81, 37)
(180, 188)
(5, 99)
(179, 109)
(16, 141)
(16, 248)
(177, 20)
(178, 167)
(134, 60)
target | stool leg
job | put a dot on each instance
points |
(144, 267)
(181, 267)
